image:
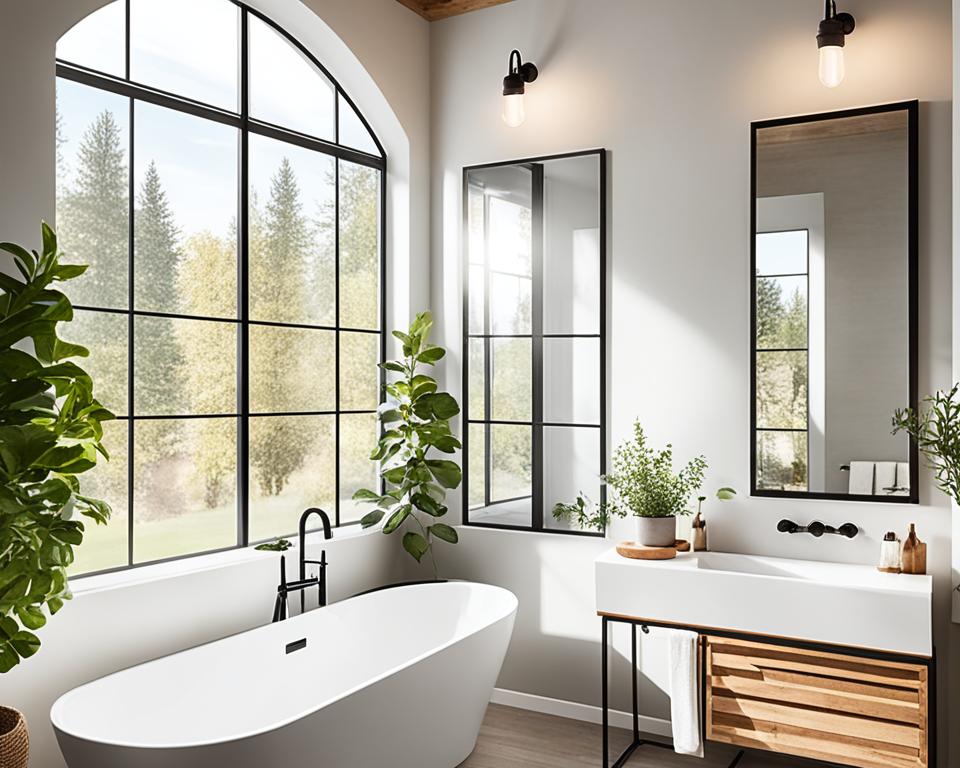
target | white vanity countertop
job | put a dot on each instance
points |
(833, 603)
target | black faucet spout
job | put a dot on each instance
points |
(322, 563)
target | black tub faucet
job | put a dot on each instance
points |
(322, 562)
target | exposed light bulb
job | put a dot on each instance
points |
(513, 111)
(832, 68)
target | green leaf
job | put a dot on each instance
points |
(445, 532)
(431, 355)
(415, 544)
(395, 475)
(280, 545)
(447, 473)
(425, 503)
(443, 405)
(396, 519)
(726, 493)
(393, 366)
(447, 444)
(9, 658)
(31, 617)
(366, 495)
(372, 518)
(25, 643)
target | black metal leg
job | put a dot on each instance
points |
(633, 677)
(606, 743)
(737, 758)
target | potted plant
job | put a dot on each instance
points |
(50, 434)
(416, 422)
(644, 485)
(936, 428)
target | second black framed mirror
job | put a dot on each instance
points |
(834, 262)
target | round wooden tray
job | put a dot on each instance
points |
(637, 552)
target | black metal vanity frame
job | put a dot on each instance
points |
(912, 108)
(644, 624)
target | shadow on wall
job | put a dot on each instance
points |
(555, 650)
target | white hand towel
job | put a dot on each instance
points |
(886, 478)
(903, 478)
(685, 693)
(861, 478)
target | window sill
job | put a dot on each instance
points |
(128, 577)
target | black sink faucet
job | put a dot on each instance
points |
(817, 529)
(322, 562)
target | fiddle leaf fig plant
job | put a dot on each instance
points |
(936, 428)
(50, 434)
(416, 427)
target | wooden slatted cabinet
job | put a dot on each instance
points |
(827, 706)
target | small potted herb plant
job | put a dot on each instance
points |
(644, 485)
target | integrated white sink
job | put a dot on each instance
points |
(834, 603)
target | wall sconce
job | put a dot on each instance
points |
(831, 36)
(513, 85)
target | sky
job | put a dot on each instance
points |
(197, 159)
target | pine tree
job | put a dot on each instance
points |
(92, 217)
(279, 380)
(156, 251)
(158, 357)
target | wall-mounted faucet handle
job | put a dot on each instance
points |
(849, 530)
(787, 526)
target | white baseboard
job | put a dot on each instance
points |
(576, 711)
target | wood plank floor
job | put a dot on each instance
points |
(517, 738)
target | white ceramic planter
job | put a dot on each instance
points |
(656, 531)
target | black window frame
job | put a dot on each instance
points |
(767, 350)
(536, 422)
(246, 126)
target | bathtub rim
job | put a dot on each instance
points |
(63, 699)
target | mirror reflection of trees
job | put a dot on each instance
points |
(782, 383)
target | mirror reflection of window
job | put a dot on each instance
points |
(533, 346)
(781, 360)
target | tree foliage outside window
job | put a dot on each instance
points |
(301, 230)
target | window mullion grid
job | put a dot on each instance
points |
(487, 358)
(336, 341)
(243, 297)
(134, 92)
(131, 326)
(536, 312)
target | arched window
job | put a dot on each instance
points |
(229, 200)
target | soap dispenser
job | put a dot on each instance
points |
(889, 553)
(699, 528)
(913, 555)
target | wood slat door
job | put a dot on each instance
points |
(825, 706)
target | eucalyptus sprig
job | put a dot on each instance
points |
(50, 434)
(416, 422)
(936, 428)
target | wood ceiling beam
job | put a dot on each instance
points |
(433, 10)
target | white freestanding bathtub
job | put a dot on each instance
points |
(400, 678)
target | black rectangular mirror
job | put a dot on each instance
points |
(834, 304)
(533, 267)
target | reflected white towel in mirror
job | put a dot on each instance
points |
(885, 478)
(861, 477)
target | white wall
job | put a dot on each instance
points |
(670, 89)
(106, 629)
